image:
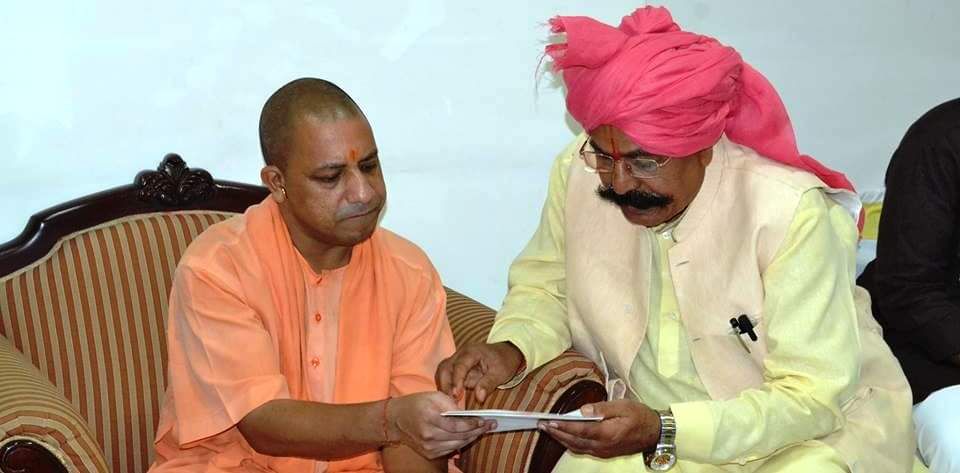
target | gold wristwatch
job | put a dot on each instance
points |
(664, 456)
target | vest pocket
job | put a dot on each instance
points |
(616, 387)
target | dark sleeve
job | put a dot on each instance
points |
(916, 284)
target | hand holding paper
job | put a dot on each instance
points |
(628, 427)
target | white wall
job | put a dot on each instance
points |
(93, 92)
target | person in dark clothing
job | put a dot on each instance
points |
(915, 279)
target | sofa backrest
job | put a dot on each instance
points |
(90, 316)
(83, 296)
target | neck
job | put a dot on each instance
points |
(675, 220)
(319, 255)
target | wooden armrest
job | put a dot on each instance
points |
(42, 430)
(23, 455)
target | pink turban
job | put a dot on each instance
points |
(673, 92)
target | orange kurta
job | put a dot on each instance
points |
(322, 315)
(237, 338)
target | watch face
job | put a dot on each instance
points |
(662, 461)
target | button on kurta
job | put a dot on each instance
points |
(318, 317)
(315, 362)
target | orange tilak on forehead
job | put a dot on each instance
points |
(353, 155)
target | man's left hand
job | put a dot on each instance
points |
(628, 427)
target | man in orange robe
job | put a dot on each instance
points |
(302, 337)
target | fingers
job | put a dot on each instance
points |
(574, 443)
(458, 424)
(461, 370)
(473, 377)
(440, 402)
(442, 434)
(620, 408)
(463, 363)
(484, 428)
(477, 367)
(435, 450)
(485, 385)
(436, 442)
(444, 376)
(590, 430)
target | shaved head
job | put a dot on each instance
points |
(307, 97)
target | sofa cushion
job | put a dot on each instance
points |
(470, 321)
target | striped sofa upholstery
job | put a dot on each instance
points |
(90, 316)
(82, 349)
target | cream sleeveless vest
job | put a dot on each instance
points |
(728, 236)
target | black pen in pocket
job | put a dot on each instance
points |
(743, 325)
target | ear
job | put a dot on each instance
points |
(705, 156)
(272, 177)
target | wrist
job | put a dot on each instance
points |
(664, 454)
(652, 440)
(389, 427)
(517, 359)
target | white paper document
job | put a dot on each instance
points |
(519, 420)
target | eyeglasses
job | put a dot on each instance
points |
(602, 163)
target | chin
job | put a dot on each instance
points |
(360, 235)
(647, 218)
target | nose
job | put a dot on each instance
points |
(623, 181)
(359, 190)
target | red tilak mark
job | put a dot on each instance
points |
(616, 150)
(353, 155)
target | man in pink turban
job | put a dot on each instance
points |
(716, 294)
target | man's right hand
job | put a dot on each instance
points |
(480, 367)
(414, 420)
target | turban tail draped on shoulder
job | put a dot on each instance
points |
(671, 91)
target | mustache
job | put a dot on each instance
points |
(355, 210)
(639, 200)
